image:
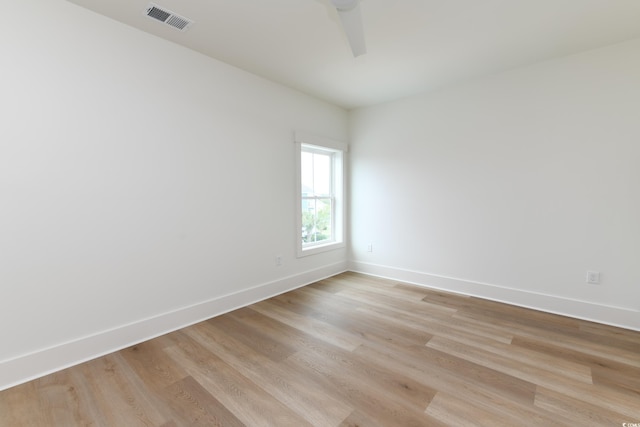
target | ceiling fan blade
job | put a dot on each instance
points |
(351, 18)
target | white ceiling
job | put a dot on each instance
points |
(413, 45)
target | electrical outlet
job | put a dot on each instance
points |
(278, 260)
(370, 247)
(593, 277)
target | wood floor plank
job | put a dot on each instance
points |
(578, 411)
(396, 305)
(578, 371)
(20, 406)
(358, 419)
(372, 375)
(296, 392)
(322, 330)
(343, 314)
(352, 350)
(118, 396)
(361, 280)
(326, 285)
(447, 299)
(59, 394)
(371, 401)
(609, 331)
(152, 365)
(460, 380)
(539, 344)
(560, 338)
(197, 407)
(454, 375)
(521, 315)
(243, 398)
(392, 291)
(454, 411)
(516, 363)
(619, 400)
(605, 372)
(436, 325)
(254, 338)
(626, 378)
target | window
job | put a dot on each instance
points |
(318, 196)
(320, 203)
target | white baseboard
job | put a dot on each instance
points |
(609, 315)
(45, 361)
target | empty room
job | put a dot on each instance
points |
(320, 213)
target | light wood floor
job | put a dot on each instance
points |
(353, 351)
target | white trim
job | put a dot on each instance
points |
(33, 365)
(316, 249)
(609, 315)
(320, 141)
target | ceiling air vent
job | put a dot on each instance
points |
(166, 16)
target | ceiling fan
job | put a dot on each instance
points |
(351, 17)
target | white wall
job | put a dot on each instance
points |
(510, 186)
(142, 186)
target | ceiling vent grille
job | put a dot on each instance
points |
(166, 16)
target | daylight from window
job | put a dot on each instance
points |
(317, 197)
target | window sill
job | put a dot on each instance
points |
(302, 252)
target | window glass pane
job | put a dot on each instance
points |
(308, 220)
(316, 220)
(323, 220)
(306, 169)
(322, 174)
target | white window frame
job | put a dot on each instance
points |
(338, 151)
